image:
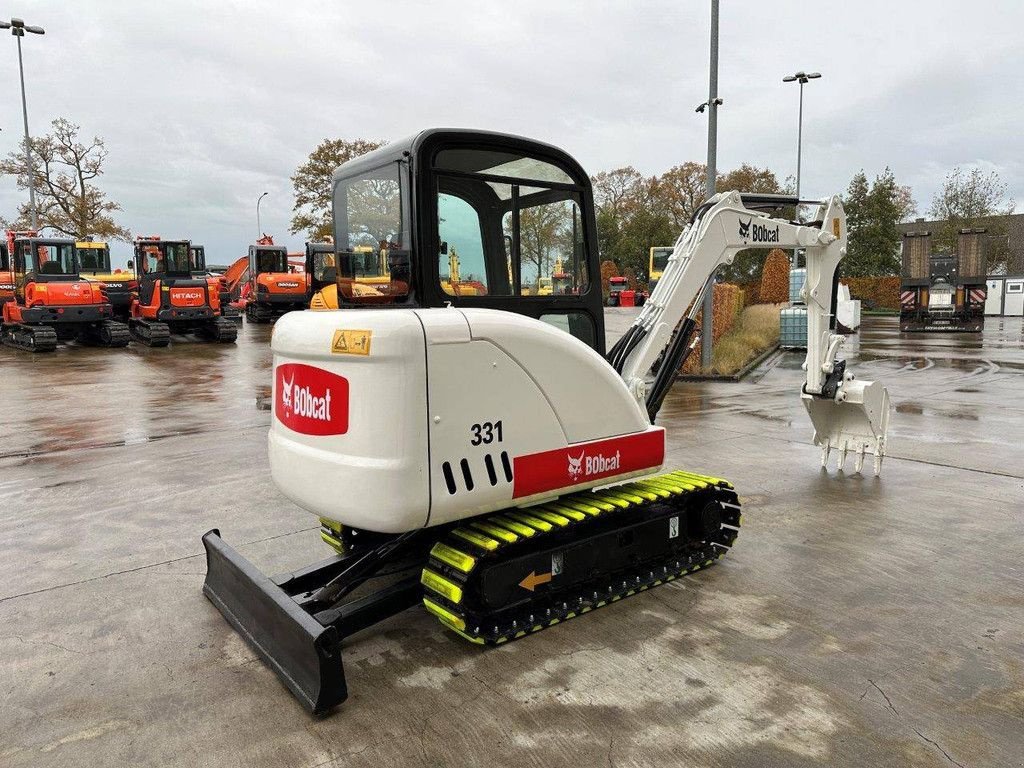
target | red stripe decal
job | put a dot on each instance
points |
(585, 462)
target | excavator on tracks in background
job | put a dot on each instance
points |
(273, 287)
(52, 302)
(120, 286)
(175, 295)
(508, 475)
(361, 272)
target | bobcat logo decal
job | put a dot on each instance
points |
(745, 228)
(311, 400)
(576, 466)
(286, 392)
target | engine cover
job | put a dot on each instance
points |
(390, 420)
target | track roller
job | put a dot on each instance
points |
(109, 333)
(220, 329)
(32, 338)
(152, 333)
(257, 314)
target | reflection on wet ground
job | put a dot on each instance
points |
(83, 397)
(962, 390)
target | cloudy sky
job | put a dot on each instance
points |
(205, 105)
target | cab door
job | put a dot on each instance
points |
(994, 298)
(1013, 300)
(6, 278)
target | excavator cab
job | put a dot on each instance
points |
(509, 207)
(42, 261)
(267, 258)
(321, 268)
(94, 265)
(51, 301)
(274, 288)
(175, 294)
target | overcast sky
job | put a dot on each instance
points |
(205, 105)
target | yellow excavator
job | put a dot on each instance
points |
(363, 274)
(120, 286)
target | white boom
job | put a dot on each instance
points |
(847, 414)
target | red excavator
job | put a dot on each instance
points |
(176, 295)
(50, 300)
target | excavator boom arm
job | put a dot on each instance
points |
(649, 354)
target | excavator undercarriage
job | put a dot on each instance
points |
(491, 580)
(521, 571)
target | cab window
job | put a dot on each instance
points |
(514, 223)
(178, 257)
(577, 324)
(154, 262)
(551, 249)
(94, 259)
(323, 267)
(461, 262)
(48, 259)
(271, 261)
(373, 258)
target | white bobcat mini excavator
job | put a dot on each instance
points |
(483, 454)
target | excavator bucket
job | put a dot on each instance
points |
(858, 422)
(304, 653)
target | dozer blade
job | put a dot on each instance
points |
(857, 423)
(304, 653)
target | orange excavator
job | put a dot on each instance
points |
(273, 286)
(175, 295)
(50, 300)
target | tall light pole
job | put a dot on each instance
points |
(712, 105)
(258, 225)
(802, 78)
(18, 29)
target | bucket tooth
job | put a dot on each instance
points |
(857, 420)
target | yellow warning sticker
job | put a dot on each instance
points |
(351, 342)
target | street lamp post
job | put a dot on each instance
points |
(802, 78)
(258, 225)
(712, 105)
(18, 28)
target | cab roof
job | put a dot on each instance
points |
(416, 145)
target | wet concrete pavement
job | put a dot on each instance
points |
(858, 622)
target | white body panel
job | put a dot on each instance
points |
(377, 469)
(428, 400)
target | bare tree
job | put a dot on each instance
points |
(972, 199)
(67, 197)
